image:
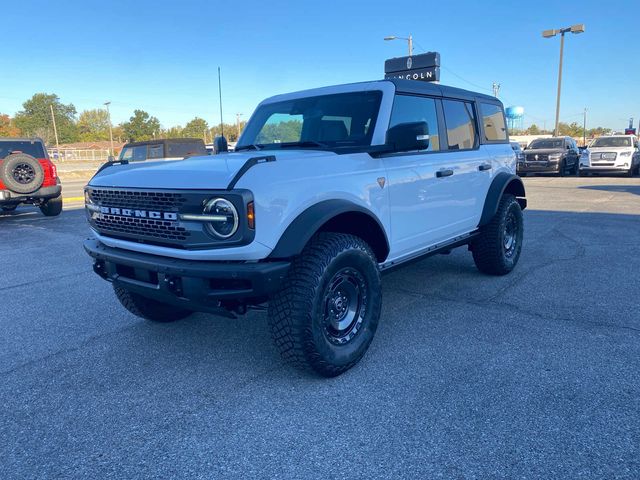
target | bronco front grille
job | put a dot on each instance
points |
(162, 230)
(146, 200)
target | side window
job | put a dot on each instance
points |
(139, 153)
(185, 149)
(407, 109)
(155, 151)
(126, 154)
(461, 124)
(495, 129)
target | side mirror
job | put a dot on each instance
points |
(220, 145)
(405, 137)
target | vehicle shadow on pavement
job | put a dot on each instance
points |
(634, 189)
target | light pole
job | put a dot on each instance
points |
(584, 128)
(110, 129)
(409, 40)
(578, 28)
(238, 115)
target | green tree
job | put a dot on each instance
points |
(571, 130)
(93, 125)
(7, 127)
(173, 132)
(35, 119)
(195, 128)
(230, 131)
(533, 130)
(141, 126)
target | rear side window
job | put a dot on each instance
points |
(408, 109)
(186, 149)
(34, 149)
(495, 129)
(156, 151)
(461, 124)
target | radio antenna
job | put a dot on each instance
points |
(220, 93)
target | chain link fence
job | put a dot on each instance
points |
(78, 155)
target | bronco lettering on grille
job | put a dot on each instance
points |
(127, 212)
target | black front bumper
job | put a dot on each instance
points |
(197, 285)
(43, 193)
(538, 167)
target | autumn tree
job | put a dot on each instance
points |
(35, 118)
(7, 127)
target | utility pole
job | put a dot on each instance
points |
(55, 130)
(584, 128)
(238, 115)
(496, 89)
(110, 129)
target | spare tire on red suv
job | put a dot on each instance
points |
(21, 173)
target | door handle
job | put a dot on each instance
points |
(484, 167)
(444, 173)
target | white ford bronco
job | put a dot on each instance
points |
(326, 189)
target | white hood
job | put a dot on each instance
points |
(206, 172)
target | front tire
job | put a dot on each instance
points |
(52, 207)
(149, 309)
(9, 208)
(497, 249)
(325, 316)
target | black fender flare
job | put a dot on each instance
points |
(307, 223)
(501, 184)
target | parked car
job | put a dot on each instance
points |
(164, 149)
(326, 189)
(615, 154)
(557, 155)
(27, 176)
(518, 150)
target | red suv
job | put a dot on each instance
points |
(27, 175)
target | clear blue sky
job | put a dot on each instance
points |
(163, 56)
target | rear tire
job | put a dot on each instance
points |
(325, 316)
(52, 207)
(9, 208)
(497, 249)
(149, 309)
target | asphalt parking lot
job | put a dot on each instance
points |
(532, 375)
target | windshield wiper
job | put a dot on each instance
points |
(255, 146)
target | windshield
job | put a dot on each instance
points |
(547, 143)
(612, 142)
(25, 146)
(326, 121)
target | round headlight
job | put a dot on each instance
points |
(227, 223)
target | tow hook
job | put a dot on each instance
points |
(99, 268)
(174, 285)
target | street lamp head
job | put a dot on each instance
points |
(549, 33)
(579, 28)
(390, 38)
